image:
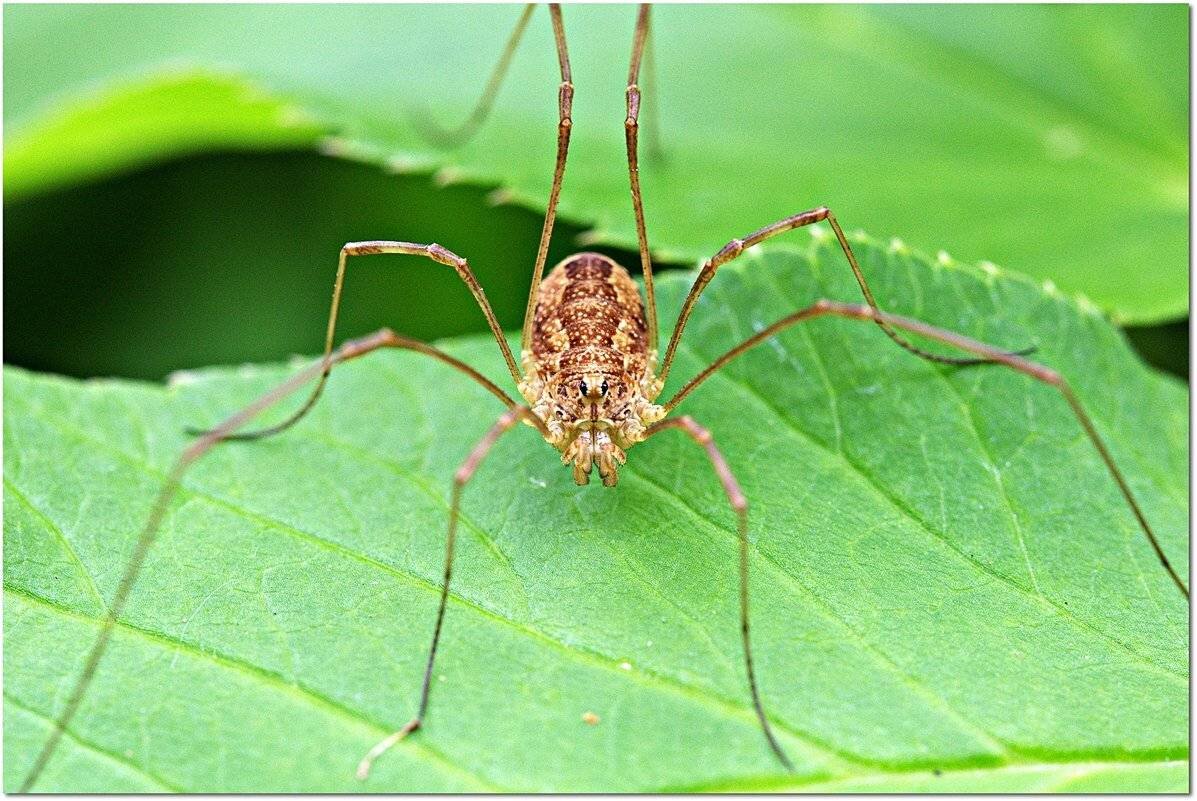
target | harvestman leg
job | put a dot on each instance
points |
(631, 134)
(435, 252)
(352, 349)
(565, 101)
(986, 353)
(740, 505)
(455, 137)
(464, 473)
(565, 96)
(737, 246)
(686, 424)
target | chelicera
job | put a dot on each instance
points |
(589, 373)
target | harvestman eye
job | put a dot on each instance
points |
(591, 278)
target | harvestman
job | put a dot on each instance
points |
(587, 372)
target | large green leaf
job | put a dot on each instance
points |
(165, 116)
(1050, 139)
(948, 591)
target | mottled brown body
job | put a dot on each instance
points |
(589, 368)
(589, 316)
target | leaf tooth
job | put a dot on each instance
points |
(502, 196)
(590, 236)
(448, 175)
(1086, 305)
(336, 146)
(403, 163)
(182, 378)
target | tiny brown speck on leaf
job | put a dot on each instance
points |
(590, 718)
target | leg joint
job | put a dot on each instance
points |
(700, 434)
(445, 256)
(729, 251)
(361, 248)
(565, 101)
(356, 347)
(1045, 374)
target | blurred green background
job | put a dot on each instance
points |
(230, 258)
(167, 203)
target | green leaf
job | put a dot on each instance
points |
(168, 115)
(948, 591)
(1052, 140)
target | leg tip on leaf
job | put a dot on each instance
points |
(383, 745)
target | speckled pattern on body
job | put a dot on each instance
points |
(589, 365)
(589, 318)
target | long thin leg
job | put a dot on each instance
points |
(986, 353)
(631, 134)
(352, 349)
(455, 137)
(565, 101)
(436, 253)
(463, 475)
(737, 246)
(653, 127)
(740, 505)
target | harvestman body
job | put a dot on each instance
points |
(588, 373)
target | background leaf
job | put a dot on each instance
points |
(949, 593)
(985, 130)
(230, 259)
(164, 116)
